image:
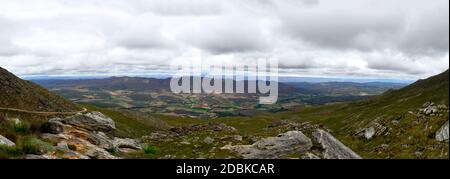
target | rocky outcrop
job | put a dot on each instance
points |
(442, 133)
(6, 142)
(85, 136)
(94, 121)
(274, 147)
(374, 129)
(430, 109)
(333, 148)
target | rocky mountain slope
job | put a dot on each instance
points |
(20, 94)
(400, 123)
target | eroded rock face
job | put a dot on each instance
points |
(6, 142)
(333, 148)
(274, 147)
(85, 136)
(94, 121)
(442, 133)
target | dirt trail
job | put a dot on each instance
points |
(43, 112)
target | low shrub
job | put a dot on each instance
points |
(150, 150)
(32, 145)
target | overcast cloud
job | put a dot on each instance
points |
(354, 38)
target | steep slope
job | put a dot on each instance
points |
(397, 124)
(16, 93)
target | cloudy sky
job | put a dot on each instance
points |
(404, 39)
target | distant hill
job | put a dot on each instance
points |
(16, 93)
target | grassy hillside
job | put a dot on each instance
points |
(409, 135)
(20, 94)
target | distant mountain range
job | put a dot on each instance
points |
(282, 79)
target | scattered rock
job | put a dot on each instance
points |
(185, 143)
(212, 126)
(418, 154)
(369, 133)
(430, 109)
(442, 133)
(374, 129)
(6, 142)
(333, 149)
(238, 138)
(274, 147)
(80, 145)
(208, 140)
(384, 146)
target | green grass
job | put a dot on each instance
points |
(130, 125)
(33, 145)
(10, 152)
(150, 150)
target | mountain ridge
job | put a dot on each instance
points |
(16, 93)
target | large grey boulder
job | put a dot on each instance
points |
(6, 142)
(94, 121)
(274, 147)
(442, 133)
(333, 148)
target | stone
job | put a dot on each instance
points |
(101, 139)
(62, 146)
(238, 138)
(208, 140)
(333, 148)
(6, 142)
(274, 147)
(126, 143)
(310, 156)
(369, 133)
(374, 129)
(15, 121)
(185, 143)
(39, 157)
(442, 133)
(384, 146)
